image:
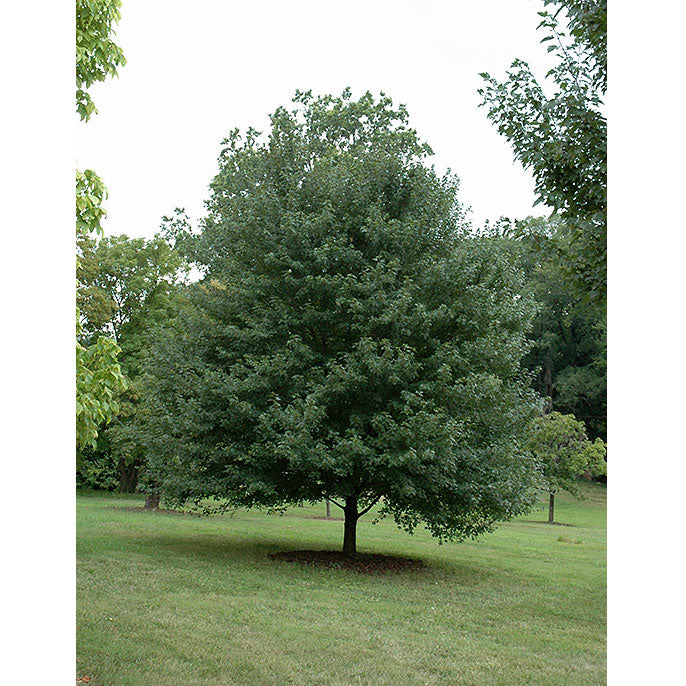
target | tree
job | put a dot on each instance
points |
(126, 288)
(563, 138)
(350, 341)
(564, 453)
(98, 374)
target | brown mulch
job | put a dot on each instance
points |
(364, 563)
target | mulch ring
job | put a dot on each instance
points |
(363, 563)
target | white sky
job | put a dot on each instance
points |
(198, 69)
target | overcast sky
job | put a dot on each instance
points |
(198, 69)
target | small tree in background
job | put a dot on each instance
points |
(559, 443)
(350, 340)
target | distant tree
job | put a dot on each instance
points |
(564, 453)
(126, 288)
(349, 341)
(562, 138)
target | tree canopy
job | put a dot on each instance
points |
(562, 137)
(350, 340)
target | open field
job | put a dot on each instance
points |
(170, 599)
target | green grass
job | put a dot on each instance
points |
(178, 600)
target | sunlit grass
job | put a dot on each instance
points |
(173, 600)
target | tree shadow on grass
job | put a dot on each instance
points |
(223, 550)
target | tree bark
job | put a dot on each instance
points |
(350, 530)
(328, 508)
(128, 476)
(551, 509)
(152, 502)
(548, 386)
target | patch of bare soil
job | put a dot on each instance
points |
(363, 563)
(325, 519)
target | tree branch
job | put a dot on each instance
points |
(335, 503)
(369, 507)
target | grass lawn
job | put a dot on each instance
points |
(167, 599)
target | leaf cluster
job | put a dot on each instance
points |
(99, 381)
(97, 55)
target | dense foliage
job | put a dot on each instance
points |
(562, 137)
(349, 340)
(568, 354)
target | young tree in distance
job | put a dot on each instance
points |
(564, 453)
(563, 138)
(350, 341)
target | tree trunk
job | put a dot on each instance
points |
(548, 386)
(328, 508)
(152, 502)
(350, 531)
(551, 509)
(128, 476)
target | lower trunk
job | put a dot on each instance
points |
(551, 509)
(152, 502)
(350, 530)
(328, 508)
